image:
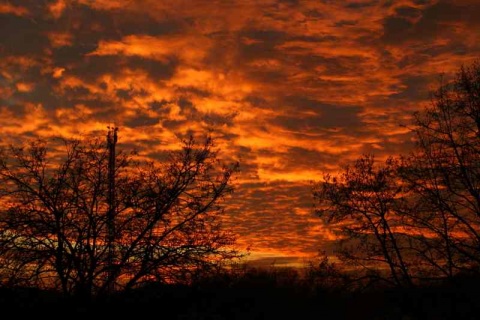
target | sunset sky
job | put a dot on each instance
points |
(290, 88)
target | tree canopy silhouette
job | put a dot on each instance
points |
(443, 172)
(362, 205)
(415, 216)
(57, 227)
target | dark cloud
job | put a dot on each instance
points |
(408, 12)
(141, 120)
(90, 68)
(275, 261)
(21, 36)
(313, 13)
(343, 23)
(297, 158)
(416, 88)
(263, 44)
(43, 94)
(89, 25)
(290, 2)
(193, 91)
(315, 115)
(434, 20)
(397, 30)
(360, 4)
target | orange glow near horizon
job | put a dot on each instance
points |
(291, 89)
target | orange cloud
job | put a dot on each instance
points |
(57, 8)
(60, 39)
(189, 49)
(6, 8)
(24, 86)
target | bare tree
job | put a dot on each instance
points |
(417, 215)
(57, 227)
(443, 172)
(360, 205)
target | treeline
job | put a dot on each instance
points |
(415, 218)
(251, 293)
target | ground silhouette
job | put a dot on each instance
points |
(257, 294)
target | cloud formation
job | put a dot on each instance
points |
(290, 88)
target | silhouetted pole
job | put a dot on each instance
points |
(111, 143)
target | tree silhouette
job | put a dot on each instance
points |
(444, 172)
(62, 225)
(361, 205)
(418, 215)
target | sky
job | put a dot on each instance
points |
(291, 89)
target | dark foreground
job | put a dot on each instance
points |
(254, 299)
